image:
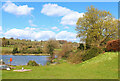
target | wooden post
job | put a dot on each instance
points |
(10, 61)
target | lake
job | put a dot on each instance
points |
(24, 59)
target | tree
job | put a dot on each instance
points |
(51, 44)
(12, 38)
(39, 50)
(66, 50)
(4, 42)
(81, 46)
(15, 50)
(96, 26)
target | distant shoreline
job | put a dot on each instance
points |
(29, 54)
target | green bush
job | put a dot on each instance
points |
(81, 56)
(94, 51)
(87, 46)
(48, 63)
(81, 47)
(15, 50)
(39, 50)
(2, 62)
(32, 63)
(104, 49)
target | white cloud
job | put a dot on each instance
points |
(18, 33)
(55, 28)
(66, 27)
(30, 33)
(31, 23)
(17, 10)
(54, 10)
(70, 17)
(44, 35)
(64, 35)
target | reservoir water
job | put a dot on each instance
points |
(24, 59)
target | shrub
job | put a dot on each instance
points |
(32, 51)
(29, 46)
(75, 58)
(87, 46)
(113, 45)
(81, 56)
(48, 63)
(94, 51)
(104, 49)
(81, 47)
(15, 50)
(2, 62)
(66, 50)
(39, 50)
(32, 63)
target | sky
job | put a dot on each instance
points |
(45, 20)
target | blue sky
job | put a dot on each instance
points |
(44, 20)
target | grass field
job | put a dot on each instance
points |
(104, 66)
(6, 50)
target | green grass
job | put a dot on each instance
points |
(6, 50)
(104, 66)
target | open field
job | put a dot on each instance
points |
(6, 50)
(104, 66)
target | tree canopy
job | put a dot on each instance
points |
(51, 44)
(96, 26)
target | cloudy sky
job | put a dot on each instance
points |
(44, 20)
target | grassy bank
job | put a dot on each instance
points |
(104, 66)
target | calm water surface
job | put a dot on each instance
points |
(23, 60)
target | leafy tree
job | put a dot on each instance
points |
(8, 42)
(96, 26)
(39, 50)
(15, 50)
(12, 38)
(4, 41)
(81, 46)
(66, 50)
(51, 44)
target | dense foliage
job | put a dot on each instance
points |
(32, 47)
(94, 51)
(83, 46)
(15, 50)
(32, 63)
(81, 56)
(2, 62)
(96, 26)
(66, 50)
(75, 58)
(113, 45)
(50, 46)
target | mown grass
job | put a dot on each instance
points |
(104, 66)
